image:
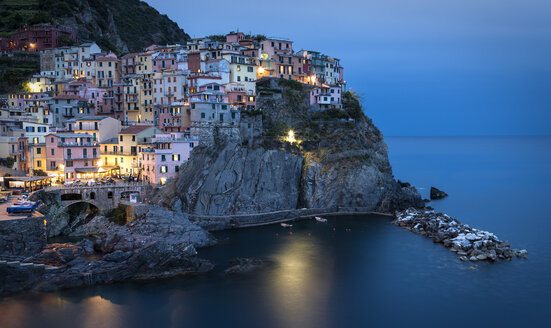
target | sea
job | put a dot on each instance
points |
(357, 271)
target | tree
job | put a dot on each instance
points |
(39, 173)
(10, 161)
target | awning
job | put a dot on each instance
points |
(87, 170)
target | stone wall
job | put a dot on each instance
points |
(209, 132)
(22, 237)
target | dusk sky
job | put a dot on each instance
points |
(423, 67)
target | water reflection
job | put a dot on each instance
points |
(299, 287)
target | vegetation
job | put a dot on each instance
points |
(117, 215)
(39, 173)
(10, 161)
(15, 70)
(351, 104)
(133, 22)
(330, 115)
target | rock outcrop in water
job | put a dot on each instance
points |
(469, 243)
(341, 159)
(436, 193)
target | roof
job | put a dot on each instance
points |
(92, 118)
(134, 129)
(33, 178)
(111, 141)
(69, 97)
(88, 170)
(70, 135)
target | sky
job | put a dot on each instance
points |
(422, 67)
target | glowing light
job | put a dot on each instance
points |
(163, 181)
(100, 163)
(261, 70)
(33, 87)
(291, 137)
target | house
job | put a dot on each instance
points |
(66, 107)
(326, 97)
(242, 70)
(72, 156)
(37, 37)
(162, 159)
(100, 128)
(123, 150)
(108, 70)
(273, 46)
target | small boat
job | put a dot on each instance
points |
(319, 219)
(286, 225)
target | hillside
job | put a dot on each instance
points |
(117, 25)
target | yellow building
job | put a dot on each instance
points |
(123, 150)
(144, 63)
(242, 70)
(37, 157)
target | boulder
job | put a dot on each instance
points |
(436, 193)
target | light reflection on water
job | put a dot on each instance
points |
(299, 290)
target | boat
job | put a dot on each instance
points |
(28, 207)
(286, 225)
(319, 219)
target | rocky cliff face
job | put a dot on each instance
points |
(337, 162)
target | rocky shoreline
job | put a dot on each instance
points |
(469, 243)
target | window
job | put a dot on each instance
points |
(52, 151)
(38, 163)
(202, 115)
(133, 138)
(176, 157)
(69, 163)
(39, 150)
(120, 138)
(163, 158)
(250, 69)
(163, 168)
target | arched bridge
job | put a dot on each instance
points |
(104, 197)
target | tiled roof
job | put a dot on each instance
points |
(133, 129)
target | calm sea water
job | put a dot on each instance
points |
(374, 275)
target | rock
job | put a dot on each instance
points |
(437, 194)
(117, 256)
(463, 258)
(481, 257)
(245, 265)
(472, 244)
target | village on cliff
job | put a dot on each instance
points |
(90, 115)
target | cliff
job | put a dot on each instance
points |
(120, 26)
(339, 160)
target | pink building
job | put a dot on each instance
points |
(235, 37)
(326, 97)
(276, 46)
(162, 160)
(72, 155)
(164, 60)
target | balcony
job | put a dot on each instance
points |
(119, 153)
(72, 157)
(76, 144)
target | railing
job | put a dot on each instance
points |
(70, 156)
(77, 144)
(109, 185)
(131, 153)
